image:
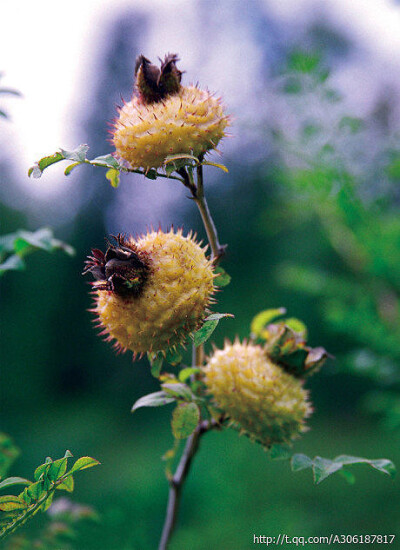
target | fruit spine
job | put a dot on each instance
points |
(165, 118)
(151, 293)
(258, 397)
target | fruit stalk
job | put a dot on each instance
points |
(177, 481)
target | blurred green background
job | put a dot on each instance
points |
(309, 211)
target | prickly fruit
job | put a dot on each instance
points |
(164, 118)
(152, 292)
(259, 398)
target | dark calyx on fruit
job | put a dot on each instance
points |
(122, 269)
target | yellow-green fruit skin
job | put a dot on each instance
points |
(172, 303)
(262, 400)
(190, 122)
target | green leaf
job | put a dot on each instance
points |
(297, 326)
(187, 372)
(304, 62)
(218, 316)
(113, 177)
(209, 325)
(203, 334)
(324, 467)
(173, 357)
(83, 463)
(264, 318)
(37, 169)
(48, 502)
(78, 154)
(14, 263)
(156, 362)
(352, 124)
(57, 469)
(11, 502)
(223, 278)
(41, 471)
(9, 481)
(36, 490)
(106, 160)
(178, 390)
(67, 484)
(185, 418)
(70, 167)
(300, 462)
(381, 464)
(280, 452)
(348, 476)
(156, 399)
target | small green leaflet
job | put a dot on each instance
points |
(156, 362)
(8, 482)
(223, 279)
(178, 391)
(324, 467)
(264, 318)
(185, 418)
(210, 324)
(156, 399)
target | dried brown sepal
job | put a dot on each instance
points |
(154, 84)
(123, 269)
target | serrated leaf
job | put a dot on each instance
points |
(156, 399)
(300, 462)
(323, 467)
(156, 361)
(187, 372)
(47, 503)
(36, 490)
(11, 502)
(223, 278)
(381, 464)
(41, 471)
(264, 318)
(113, 177)
(218, 316)
(83, 463)
(106, 160)
(178, 390)
(185, 418)
(78, 154)
(37, 169)
(9, 481)
(203, 334)
(57, 469)
(67, 484)
(209, 325)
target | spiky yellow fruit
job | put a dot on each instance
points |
(166, 118)
(262, 400)
(152, 292)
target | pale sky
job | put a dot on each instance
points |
(47, 51)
